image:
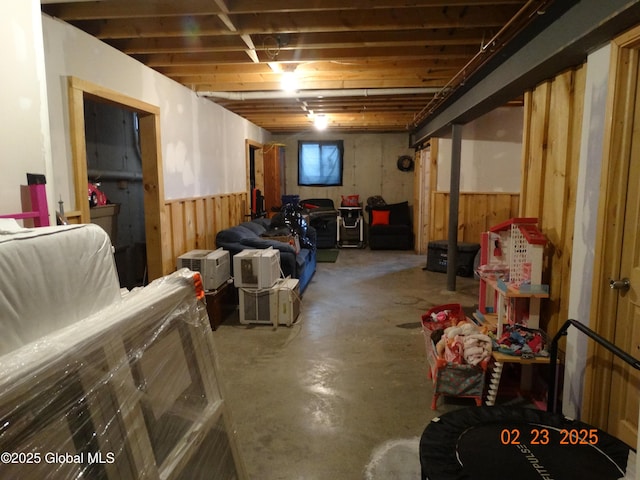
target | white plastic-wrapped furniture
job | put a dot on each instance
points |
(127, 392)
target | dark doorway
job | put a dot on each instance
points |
(114, 166)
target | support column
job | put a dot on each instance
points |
(454, 201)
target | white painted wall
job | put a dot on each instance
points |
(490, 144)
(203, 145)
(25, 145)
(369, 167)
(584, 237)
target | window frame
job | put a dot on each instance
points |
(339, 144)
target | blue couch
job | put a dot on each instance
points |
(249, 235)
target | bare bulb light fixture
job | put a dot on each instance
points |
(321, 122)
(289, 82)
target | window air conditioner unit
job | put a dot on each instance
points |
(256, 268)
(277, 305)
(213, 266)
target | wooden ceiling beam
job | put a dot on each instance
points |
(184, 26)
(380, 119)
(404, 109)
(417, 80)
(315, 85)
(302, 123)
(407, 111)
(217, 43)
(337, 54)
(282, 6)
(399, 65)
(156, 8)
(328, 101)
(195, 59)
(388, 81)
(355, 121)
(303, 22)
(114, 9)
(331, 102)
(360, 81)
(376, 19)
(288, 42)
(408, 37)
(362, 120)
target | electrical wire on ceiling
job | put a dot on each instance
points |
(271, 50)
(272, 45)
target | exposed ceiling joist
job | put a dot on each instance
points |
(249, 45)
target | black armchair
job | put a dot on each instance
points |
(390, 227)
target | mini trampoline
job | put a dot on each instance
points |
(486, 443)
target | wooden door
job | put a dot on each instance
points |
(259, 169)
(625, 381)
(612, 388)
(273, 176)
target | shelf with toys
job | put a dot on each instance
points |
(511, 290)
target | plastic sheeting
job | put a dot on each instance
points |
(128, 392)
(51, 277)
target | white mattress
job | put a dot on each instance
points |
(51, 277)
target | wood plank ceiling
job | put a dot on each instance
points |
(365, 65)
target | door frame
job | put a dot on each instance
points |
(258, 168)
(250, 145)
(152, 177)
(625, 50)
(424, 185)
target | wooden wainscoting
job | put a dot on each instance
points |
(551, 153)
(193, 223)
(477, 212)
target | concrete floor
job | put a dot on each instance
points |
(324, 398)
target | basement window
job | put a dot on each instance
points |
(320, 163)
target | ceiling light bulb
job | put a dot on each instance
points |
(275, 67)
(321, 122)
(289, 82)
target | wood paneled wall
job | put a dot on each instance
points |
(476, 213)
(551, 150)
(193, 223)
